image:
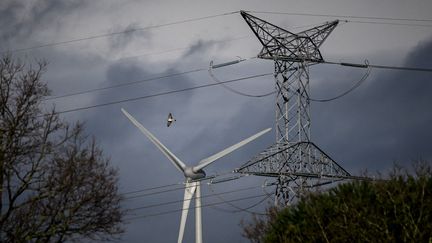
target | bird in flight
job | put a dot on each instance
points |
(170, 119)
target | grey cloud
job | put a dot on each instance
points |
(129, 34)
(203, 46)
(22, 17)
(198, 47)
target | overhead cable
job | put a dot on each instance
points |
(132, 83)
(402, 68)
(217, 83)
(387, 23)
(125, 84)
(160, 192)
(182, 184)
(150, 189)
(205, 196)
(181, 48)
(98, 36)
(238, 208)
(359, 65)
(348, 19)
(202, 206)
(161, 94)
(343, 16)
(356, 85)
(119, 32)
(210, 71)
(157, 192)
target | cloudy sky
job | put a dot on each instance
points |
(387, 119)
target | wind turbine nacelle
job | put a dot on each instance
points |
(191, 174)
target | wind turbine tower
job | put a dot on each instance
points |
(295, 162)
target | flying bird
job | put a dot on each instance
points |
(170, 119)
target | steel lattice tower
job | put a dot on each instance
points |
(296, 162)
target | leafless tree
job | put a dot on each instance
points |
(55, 183)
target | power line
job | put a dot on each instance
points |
(149, 189)
(174, 184)
(119, 32)
(347, 17)
(356, 85)
(202, 206)
(210, 71)
(220, 83)
(359, 65)
(158, 192)
(155, 193)
(239, 209)
(205, 196)
(387, 23)
(139, 81)
(98, 36)
(125, 84)
(365, 76)
(402, 68)
(343, 16)
(181, 48)
(161, 94)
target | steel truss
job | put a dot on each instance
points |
(296, 162)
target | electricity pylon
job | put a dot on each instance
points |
(296, 162)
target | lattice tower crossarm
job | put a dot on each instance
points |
(297, 166)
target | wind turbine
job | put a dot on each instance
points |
(192, 174)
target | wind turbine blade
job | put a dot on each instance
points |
(203, 163)
(189, 192)
(176, 161)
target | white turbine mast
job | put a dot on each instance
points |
(192, 175)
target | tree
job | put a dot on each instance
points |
(395, 210)
(55, 183)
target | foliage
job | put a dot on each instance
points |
(395, 210)
(55, 183)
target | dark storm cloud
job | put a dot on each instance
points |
(198, 48)
(385, 120)
(154, 109)
(129, 34)
(21, 18)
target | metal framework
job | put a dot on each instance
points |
(296, 162)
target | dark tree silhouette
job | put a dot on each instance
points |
(398, 209)
(55, 183)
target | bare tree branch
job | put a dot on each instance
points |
(55, 182)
